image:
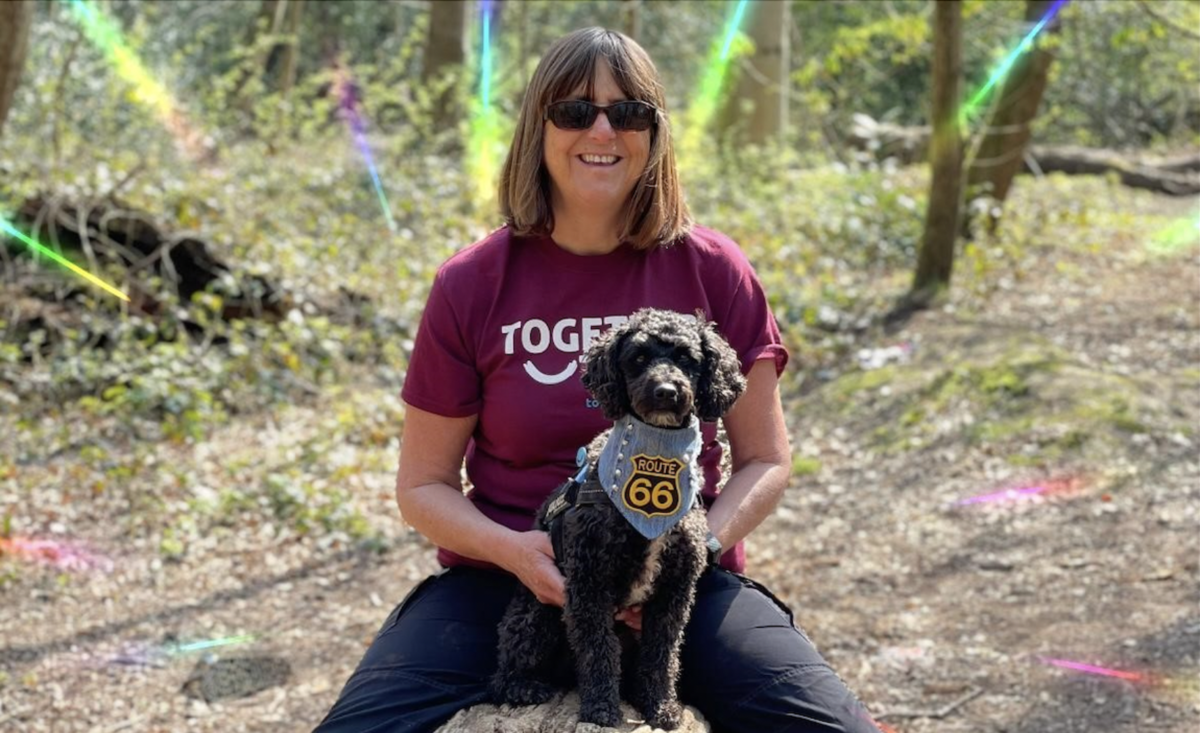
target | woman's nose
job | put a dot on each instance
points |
(601, 128)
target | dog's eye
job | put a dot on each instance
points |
(640, 359)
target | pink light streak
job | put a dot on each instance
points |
(1093, 669)
(1053, 486)
(62, 555)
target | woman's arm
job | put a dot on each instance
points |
(761, 454)
(430, 496)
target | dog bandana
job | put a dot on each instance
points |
(650, 473)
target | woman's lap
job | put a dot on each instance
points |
(745, 665)
(432, 656)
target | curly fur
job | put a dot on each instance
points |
(660, 366)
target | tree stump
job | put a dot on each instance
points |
(560, 715)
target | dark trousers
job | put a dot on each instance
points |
(745, 665)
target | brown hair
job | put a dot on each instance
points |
(657, 213)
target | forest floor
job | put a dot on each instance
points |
(1075, 383)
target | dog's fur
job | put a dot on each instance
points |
(662, 367)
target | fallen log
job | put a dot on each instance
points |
(1076, 161)
(103, 231)
(560, 715)
(1176, 176)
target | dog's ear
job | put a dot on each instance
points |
(721, 381)
(602, 374)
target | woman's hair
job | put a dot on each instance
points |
(656, 213)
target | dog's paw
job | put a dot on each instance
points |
(668, 716)
(521, 692)
(605, 714)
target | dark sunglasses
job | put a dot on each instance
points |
(577, 114)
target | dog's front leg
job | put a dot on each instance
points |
(664, 616)
(593, 638)
(529, 634)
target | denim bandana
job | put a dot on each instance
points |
(650, 473)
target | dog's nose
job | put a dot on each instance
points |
(666, 393)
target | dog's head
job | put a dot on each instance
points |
(662, 366)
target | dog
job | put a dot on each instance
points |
(629, 529)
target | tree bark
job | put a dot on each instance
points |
(999, 155)
(445, 49)
(291, 51)
(15, 20)
(631, 18)
(936, 260)
(764, 78)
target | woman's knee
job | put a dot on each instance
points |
(747, 666)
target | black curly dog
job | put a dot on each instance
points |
(661, 367)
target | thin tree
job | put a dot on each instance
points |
(936, 259)
(1000, 153)
(15, 20)
(445, 50)
(631, 18)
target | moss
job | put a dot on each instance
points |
(805, 466)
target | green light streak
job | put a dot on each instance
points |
(1026, 44)
(485, 144)
(699, 116)
(198, 645)
(11, 231)
(1176, 237)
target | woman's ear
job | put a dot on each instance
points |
(602, 374)
(721, 381)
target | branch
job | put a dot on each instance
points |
(940, 713)
(1167, 22)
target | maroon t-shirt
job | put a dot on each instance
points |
(503, 336)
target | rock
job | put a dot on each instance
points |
(560, 715)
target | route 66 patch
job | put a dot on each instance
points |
(653, 486)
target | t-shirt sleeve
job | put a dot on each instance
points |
(748, 323)
(442, 377)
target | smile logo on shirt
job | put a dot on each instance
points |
(542, 378)
(653, 486)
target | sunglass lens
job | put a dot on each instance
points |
(631, 116)
(573, 115)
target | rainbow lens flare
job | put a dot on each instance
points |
(103, 32)
(62, 555)
(485, 143)
(972, 106)
(347, 96)
(1046, 488)
(704, 107)
(1176, 237)
(1094, 670)
(10, 230)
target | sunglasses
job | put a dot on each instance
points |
(577, 114)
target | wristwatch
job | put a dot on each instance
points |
(714, 548)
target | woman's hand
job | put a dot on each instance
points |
(531, 559)
(631, 617)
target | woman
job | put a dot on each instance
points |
(596, 228)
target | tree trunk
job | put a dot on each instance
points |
(445, 49)
(936, 259)
(999, 155)
(631, 18)
(291, 51)
(764, 79)
(15, 20)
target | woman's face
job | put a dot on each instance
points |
(594, 185)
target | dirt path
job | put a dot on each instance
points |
(1082, 377)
